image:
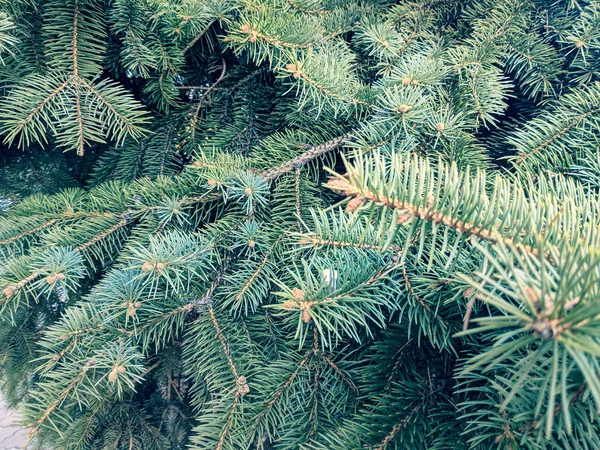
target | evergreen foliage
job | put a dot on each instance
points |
(301, 224)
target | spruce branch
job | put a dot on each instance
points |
(397, 428)
(155, 270)
(28, 232)
(309, 155)
(195, 116)
(275, 397)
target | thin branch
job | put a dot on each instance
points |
(309, 155)
(254, 34)
(79, 119)
(307, 357)
(240, 294)
(523, 156)
(344, 377)
(196, 39)
(204, 96)
(314, 412)
(229, 422)
(412, 291)
(36, 426)
(44, 102)
(29, 232)
(392, 434)
(224, 346)
(398, 356)
(298, 205)
(76, 79)
(74, 42)
(126, 122)
(314, 241)
(101, 236)
(429, 214)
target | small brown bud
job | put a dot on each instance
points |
(291, 67)
(112, 376)
(430, 200)
(242, 386)
(337, 184)
(176, 211)
(55, 357)
(305, 308)
(147, 267)
(546, 329)
(532, 295)
(548, 305)
(121, 369)
(297, 75)
(251, 243)
(212, 182)
(404, 108)
(354, 204)
(160, 266)
(131, 311)
(9, 291)
(440, 127)
(406, 81)
(404, 217)
(253, 36)
(298, 294)
(289, 305)
(468, 292)
(579, 44)
(385, 44)
(248, 191)
(61, 276)
(572, 303)
(305, 316)
(414, 82)
(51, 279)
(245, 28)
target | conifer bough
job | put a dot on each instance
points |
(308, 224)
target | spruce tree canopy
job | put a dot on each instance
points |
(301, 224)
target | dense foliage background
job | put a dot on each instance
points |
(316, 224)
